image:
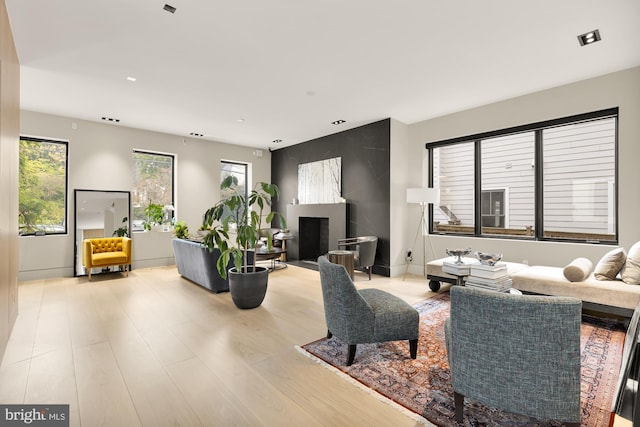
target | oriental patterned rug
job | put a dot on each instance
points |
(422, 387)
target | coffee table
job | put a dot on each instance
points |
(273, 255)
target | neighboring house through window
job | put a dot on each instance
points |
(554, 180)
(42, 205)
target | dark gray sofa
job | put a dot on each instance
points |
(197, 264)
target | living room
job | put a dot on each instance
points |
(100, 159)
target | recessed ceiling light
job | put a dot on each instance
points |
(111, 119)
(338, 122)
(240, 120)
(169, 8)
(131, 79)
(196, 134)
(588, 38)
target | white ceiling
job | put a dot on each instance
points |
(289, 68)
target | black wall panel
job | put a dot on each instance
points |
(365, 179)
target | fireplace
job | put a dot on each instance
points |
(315, 237)
(316, 229)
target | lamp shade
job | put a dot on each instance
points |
(422, 195)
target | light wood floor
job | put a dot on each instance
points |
(154, 349)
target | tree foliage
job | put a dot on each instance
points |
(42, 186)
(152, 181)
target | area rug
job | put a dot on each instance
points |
(423, 386)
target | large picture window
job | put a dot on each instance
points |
(153, 182)
(548, 181)
(42, 205)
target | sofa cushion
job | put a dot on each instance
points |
(610, 264)
(631, 271)
(578, 270)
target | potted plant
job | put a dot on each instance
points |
(123, 230)
(154, 215)
(247, 282)
(181, 230)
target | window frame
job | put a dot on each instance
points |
(247, 184)
(173, 182)
(538, 129)
(66, 185)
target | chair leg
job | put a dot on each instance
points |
(413, 348)
(352, 354)
(369, 270)
(89, 271)
(458, 401)
(329, 334)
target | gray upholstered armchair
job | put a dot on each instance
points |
(366, 315)
(364, 251)
(519, 353)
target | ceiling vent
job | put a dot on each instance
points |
(169, 8)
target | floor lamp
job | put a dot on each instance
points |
(423, 197)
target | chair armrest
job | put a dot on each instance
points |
(352, 241)
(87, 252)
(126, 248)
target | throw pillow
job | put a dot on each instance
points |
(578, 269)
(631, 271)
(610, 264)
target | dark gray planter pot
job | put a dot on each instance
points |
(248, 289)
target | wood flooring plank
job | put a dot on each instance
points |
(103, 397)
(52, 380)
(213, 403)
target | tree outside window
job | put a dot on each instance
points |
(239, 170)
(42, 206)
(153, 177)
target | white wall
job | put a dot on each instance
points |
(620, 89)
(399, 210)
(100, 159)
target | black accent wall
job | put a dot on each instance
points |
(365, 153)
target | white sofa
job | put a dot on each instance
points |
(610, 296)
(614, 296)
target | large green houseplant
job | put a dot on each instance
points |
(234, 225)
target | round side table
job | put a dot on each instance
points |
(344, 258)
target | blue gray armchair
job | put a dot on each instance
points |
(519, 353)
(366, 315)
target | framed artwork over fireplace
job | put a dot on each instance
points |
(320, 182)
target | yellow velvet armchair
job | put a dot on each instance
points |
(105, 252)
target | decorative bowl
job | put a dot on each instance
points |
(487, 258)
(458, 253)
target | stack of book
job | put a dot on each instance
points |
(493, 277)
(456, 269)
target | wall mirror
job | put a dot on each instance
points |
(99, 214)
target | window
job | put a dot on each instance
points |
(239, 170)
(451, 165)
(42, 206)
(492, 209)
(554, 180)
(579, 180)
(153, 178)
(507, 179)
